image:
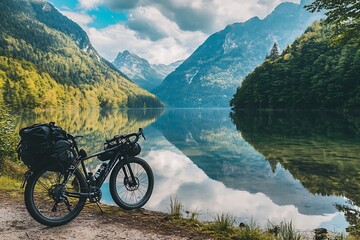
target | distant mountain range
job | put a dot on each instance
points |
(146, 75)
(210, 76)
(47, 61)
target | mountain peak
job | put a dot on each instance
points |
(126, 53)
(210, 76)
(146, 75)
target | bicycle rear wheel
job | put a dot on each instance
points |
(49, 202)
(131, 193)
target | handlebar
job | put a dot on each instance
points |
(115, 140)
(128, 136)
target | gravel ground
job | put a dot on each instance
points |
(113, 223)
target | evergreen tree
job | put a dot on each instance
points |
(274, 52)
(310, 74)
(344, 17)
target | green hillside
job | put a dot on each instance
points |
(312, 73)
(47, 61)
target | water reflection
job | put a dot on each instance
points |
(322, 150)
(256, 173)
(95, 125)
(213, 144)
(177, 175)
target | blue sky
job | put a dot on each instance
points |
(102, 14)
(161, 31)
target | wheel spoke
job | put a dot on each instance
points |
(46, 200)
(43, 185)
(132, 193)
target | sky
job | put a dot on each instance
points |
(161, 31)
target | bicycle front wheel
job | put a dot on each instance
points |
(131, 191)
(52, 203)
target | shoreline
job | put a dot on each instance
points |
(92, 223)
(113, 222)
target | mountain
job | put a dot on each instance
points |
(164, 69)
(309, 74)
(47, 61)
(146, 75)
(209, 77)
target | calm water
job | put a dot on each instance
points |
(260, 167)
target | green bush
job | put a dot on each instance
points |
(8, 136)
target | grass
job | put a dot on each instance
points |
(11, 175)
(286, 231)
(224, 221)
(223, 228)
(175, 207)
(12, 169)
(9, 184)
(253, 234)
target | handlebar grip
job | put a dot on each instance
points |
(133, 135)
(141, 133)
(121, 137)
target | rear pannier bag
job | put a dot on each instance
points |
(45, 144)
(63, 153)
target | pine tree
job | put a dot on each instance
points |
(274, 52)
(344, 17)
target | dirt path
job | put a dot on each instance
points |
(113, 223)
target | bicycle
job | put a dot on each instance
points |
(55, 196)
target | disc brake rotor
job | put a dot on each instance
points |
(131, 185)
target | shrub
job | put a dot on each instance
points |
(8, 137)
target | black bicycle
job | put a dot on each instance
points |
(55, 196)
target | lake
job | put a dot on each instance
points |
(258, 166)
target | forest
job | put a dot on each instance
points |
(47, 61)
(312, 73)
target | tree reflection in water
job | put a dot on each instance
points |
(321, 149)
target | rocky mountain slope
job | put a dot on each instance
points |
(47, 61)
(146, 75)
(210, 76)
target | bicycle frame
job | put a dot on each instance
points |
(103, 175)
(65, 189)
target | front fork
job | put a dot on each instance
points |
(132, 181)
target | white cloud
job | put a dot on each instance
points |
(201, 15)
(90, 4)
(148, 22)
(117, 38)
(80, 18)
(164, 31)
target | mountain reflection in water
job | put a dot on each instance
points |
(258, 171)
